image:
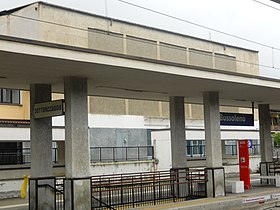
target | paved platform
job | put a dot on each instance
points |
(258, 197)
(14, 204)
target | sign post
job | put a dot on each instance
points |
(244, 169)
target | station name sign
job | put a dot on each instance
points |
(49, 109)
(236, 119)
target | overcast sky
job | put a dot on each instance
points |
(243, 18)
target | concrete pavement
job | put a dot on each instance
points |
(14, 204)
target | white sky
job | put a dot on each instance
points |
(244, 18)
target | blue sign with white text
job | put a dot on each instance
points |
(236, 119)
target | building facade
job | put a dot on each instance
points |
(129, 122)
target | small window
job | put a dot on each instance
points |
(9, 96)
(15, 97)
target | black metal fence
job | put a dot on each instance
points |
(114, 154)
(123, 190)
(20, 156)
(270, 168)
(194, 151)
(47, 190)
(142, 189)
(255, 149)
(232, 149)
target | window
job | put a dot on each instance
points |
(9, 96)
(195, 148)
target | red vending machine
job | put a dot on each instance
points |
(244, 169)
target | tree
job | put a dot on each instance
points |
(276, 139)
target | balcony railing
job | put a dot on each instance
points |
(232, 149)
(20, 156)
(118, 154)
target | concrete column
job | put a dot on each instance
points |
(265, 133)
(41, 150)
(215, 184)
(265, 138)
(77, 191)
(178, 134)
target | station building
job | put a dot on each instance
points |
(127, 108)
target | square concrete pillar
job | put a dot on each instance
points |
(41, 149)
(266, 145)
(77, 190)
(265, 133)
(178, 133)
(216, 180)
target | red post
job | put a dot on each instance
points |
(244, 169)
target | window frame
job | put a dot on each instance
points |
(11, 98)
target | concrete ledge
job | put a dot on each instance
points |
(10, 194)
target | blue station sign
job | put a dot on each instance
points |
(236, 119)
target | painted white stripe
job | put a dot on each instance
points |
(13, 206)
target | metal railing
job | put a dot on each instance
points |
(46, 188)
(199, 150)
(232, 149)
(20, 156)
(142, 189)
(121, 190)
(196, 151)
(116, 154)
(255, 150)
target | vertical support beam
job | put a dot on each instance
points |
(76, 128)
(178, 133)
(265, 133)
(77, 186)
(40, 134)
(41, 149)
(212, 129)
(265, 138)
(216, 182)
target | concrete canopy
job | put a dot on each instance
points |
(24, 62)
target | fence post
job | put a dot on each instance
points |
(114, 158)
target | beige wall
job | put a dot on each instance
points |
(21, 27)
(117, 106)
(99, 33)
(16, 112)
